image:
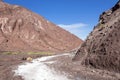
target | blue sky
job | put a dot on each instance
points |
(77, 16)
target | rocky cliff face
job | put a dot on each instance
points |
(102, 47)
(23, 30)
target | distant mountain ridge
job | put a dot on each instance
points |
(23, 30)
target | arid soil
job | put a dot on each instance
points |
(8, 63)
(63, 64)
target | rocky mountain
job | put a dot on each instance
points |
(101, 49)
(23, 30)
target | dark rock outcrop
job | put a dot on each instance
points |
(101, 49)
(23, 30)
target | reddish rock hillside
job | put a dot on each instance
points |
(102, 47)
(23, 30)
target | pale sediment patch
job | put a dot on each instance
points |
(38, 70)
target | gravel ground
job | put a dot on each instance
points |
(61, 64)
(10, 62)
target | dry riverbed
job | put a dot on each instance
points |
(57, 67)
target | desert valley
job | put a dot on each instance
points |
(33, 48)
